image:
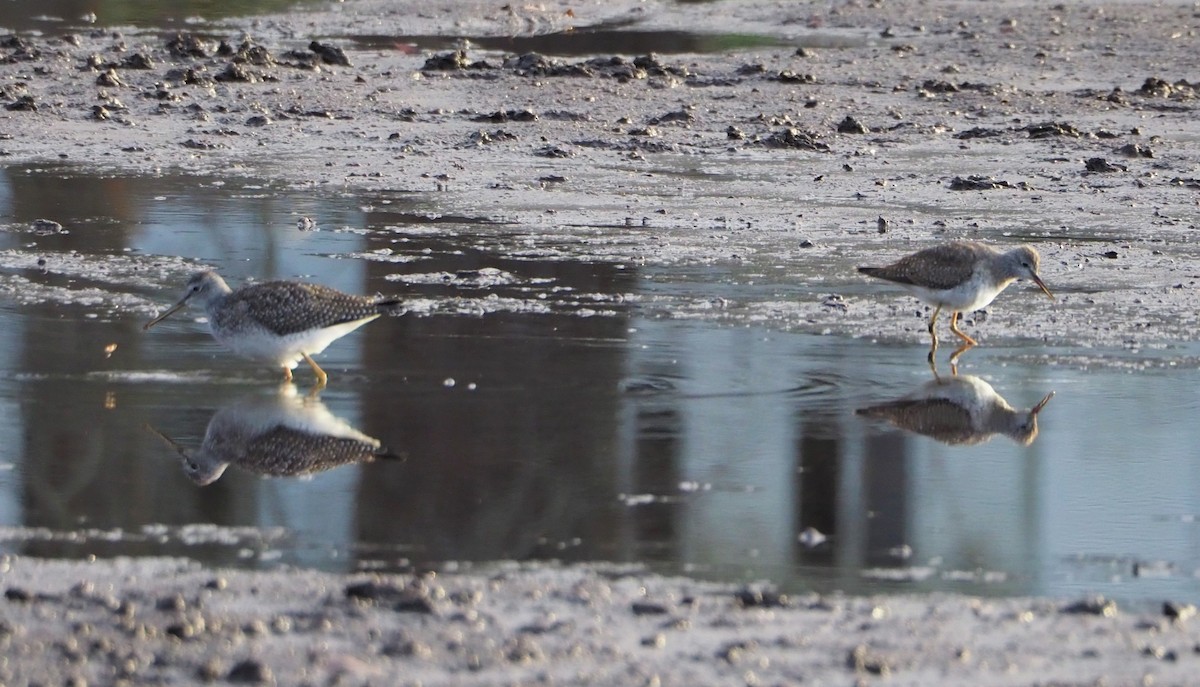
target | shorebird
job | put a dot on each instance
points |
(961, 276)
(279, 322)
(962, 409)
(278, 436)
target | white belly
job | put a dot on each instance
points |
(285, 351)
(973, 294)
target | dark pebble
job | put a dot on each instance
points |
(648, 608)
(250, 671)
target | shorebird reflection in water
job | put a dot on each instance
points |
(281, 435)
(959, 410)
(279, 322)
(960, 276)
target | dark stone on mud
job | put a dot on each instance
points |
(13, 90)
(414, 601)
(236, 72)
(109, 78)
(501, 116)
(933, 86)
(190, 77)
(330, 54)
(1190, 182)
(1099, 165)
(804, 52)
(850, 125)
(1134, 150)
(553, 152)
(1111, 255)
(100, 113)
(248, 52)
(749, 597)
(567, 116)
(789, 76)
(258, 120)
(1179, 612)
(863, 660)
(447, 61)
(199, 145)
(648, 608)
(188, 45)
(552, 179)
(17, 594)
(751, 69)
(137, 60)
(485, 138)
(1092, 605)
(14, 42)
(734, 133)
(682, 115)
(1050, 129)
(1160, 88)
(978, 132)
(373, 591)
(250, 671)
(22, 50)
(976, 182)
(535, 64)
(24, 103)
(793, 138)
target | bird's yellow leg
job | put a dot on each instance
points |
(933, 334)
(287, 374)
(322, 378)
(954, 328)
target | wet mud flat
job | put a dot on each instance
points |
(164, 621)
(1071, 126)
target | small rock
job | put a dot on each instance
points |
(850, 125)
(109, 78)
(250, 671)
(45, 226)
(330, 54)
(648, 608)
(1134, 150)
(1179, 612)
(447, 61)
(1099, 165)
(749, 597)
(863, 660)
(1092, 605)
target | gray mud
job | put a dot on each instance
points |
(1069, 125)
(1072, 126)
(162, 621)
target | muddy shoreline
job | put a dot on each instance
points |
(878, 129)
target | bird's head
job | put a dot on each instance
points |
(204, 287)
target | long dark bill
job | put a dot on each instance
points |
(1042, 285)
(173, 309)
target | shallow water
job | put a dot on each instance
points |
(54, 16)
(531, 409)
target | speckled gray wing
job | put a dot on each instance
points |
(939, 267)
(284, 452)
(937, 418)
(286, 307)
